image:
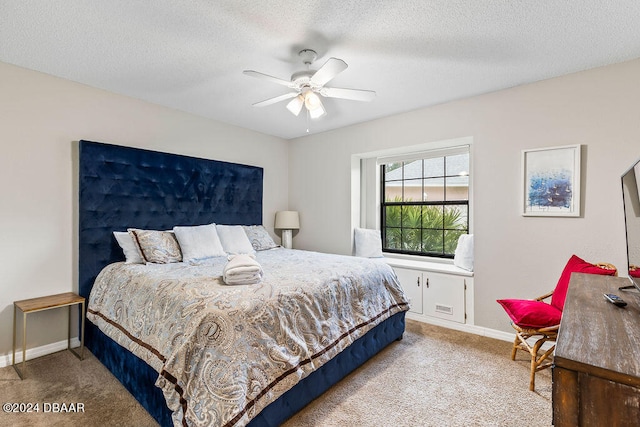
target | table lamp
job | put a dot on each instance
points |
(287, 221)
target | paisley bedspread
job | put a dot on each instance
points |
(223, 352)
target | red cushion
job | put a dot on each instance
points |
(531, 314)
(634, 272)
(574, 265)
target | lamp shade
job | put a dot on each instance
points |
(295, 105)
(311, 101)
(287, 220)
(318, 111)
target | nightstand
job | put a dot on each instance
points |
(46, 303)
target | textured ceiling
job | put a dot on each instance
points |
(190, 54)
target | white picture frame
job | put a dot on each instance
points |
(551, 181)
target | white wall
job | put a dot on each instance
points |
(516, 257)
(41, 118)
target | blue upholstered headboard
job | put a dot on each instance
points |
(122, 187)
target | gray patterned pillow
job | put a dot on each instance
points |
(259, 237)
(157, 247)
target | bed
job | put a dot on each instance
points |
(122, 187)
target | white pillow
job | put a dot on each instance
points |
(368, 243)
(130, 248)
(463, 256)
(234, 240)
(198, 242)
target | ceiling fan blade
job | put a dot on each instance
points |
(276, 99)
(272, 79)
(353, 94)
(329, 70)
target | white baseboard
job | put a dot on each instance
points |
(464, 327)
(32, 353)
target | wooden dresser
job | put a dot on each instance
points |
(596, 372)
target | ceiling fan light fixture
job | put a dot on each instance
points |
(312, 101)
(318, 111)
(295, 105)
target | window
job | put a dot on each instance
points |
(425, 202)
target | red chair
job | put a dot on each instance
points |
(538, 320)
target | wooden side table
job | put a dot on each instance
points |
(45, 303)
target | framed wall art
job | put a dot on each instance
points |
(551, 181)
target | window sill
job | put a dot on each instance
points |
(419, 263)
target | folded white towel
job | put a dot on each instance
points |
(242, 269)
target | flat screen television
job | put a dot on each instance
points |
(631, 198)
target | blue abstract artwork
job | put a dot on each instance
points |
(550, 189)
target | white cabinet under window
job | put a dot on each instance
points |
(445, 296)
(411, 281)
(440, 295)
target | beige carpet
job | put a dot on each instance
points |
(433, 377)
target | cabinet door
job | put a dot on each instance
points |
(444, 296)
(411, 281)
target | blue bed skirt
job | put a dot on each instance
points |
(139, 378)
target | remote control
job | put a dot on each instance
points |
(615, 300)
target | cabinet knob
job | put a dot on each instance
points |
(418, 281)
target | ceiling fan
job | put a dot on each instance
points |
(308, 84)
